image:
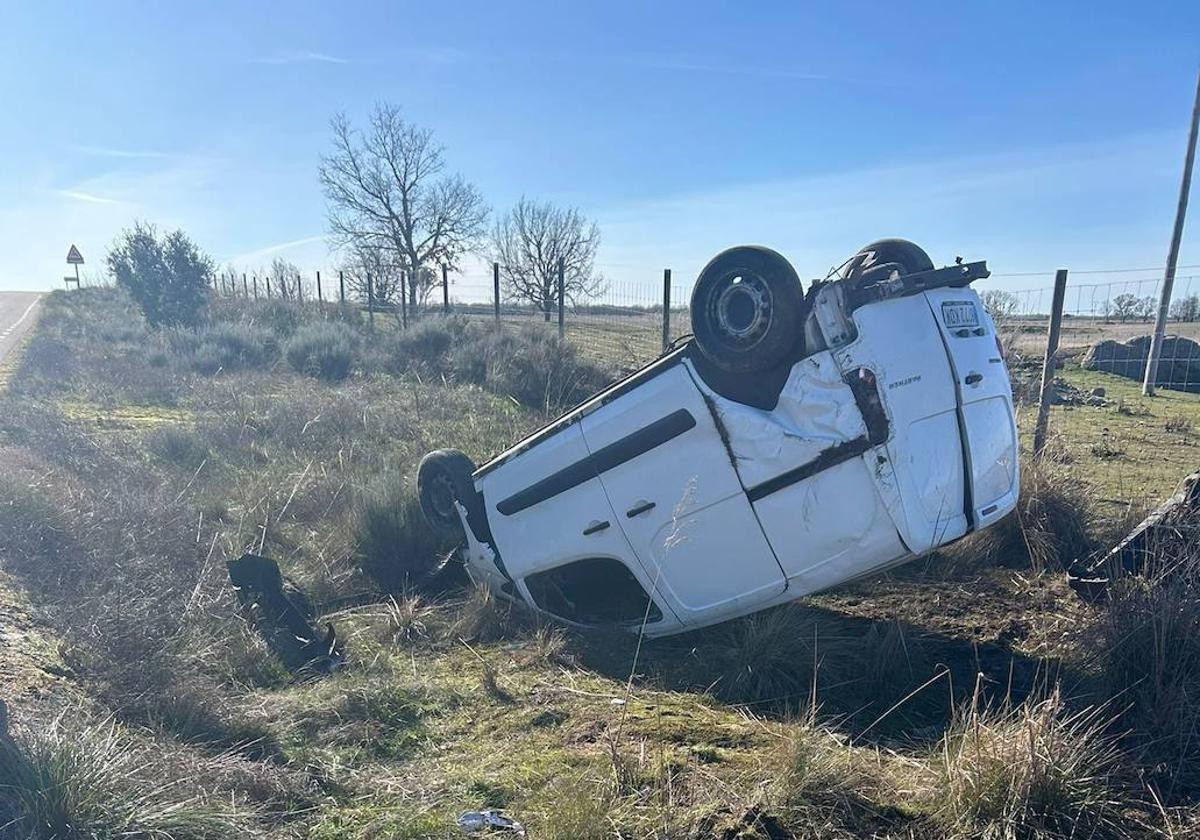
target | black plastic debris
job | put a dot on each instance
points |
(1169, 532)
(284, 617)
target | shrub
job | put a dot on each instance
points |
(1147, 641)
(425, 347)
(1035, 771)
(179, 446)
(88, 784)
(168, 278)
(232, 346)
(394, 544)
(324, 350)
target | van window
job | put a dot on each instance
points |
(596, 590)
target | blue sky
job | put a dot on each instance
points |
(1034, 135)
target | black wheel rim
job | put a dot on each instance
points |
(442, 498)
(739, 310)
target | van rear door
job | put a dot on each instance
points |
(985, 397)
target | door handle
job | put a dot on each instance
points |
(973, 378)
(595, 526)
(640, 508)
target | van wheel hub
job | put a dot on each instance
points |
(742, 310)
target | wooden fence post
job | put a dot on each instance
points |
(245, 287)
(562, 331)
(445, 291)
(404, 299)
(371, 301)
(496, 289)
(342, 286)
(268, 279)
(1056, 313)
(320, 299)
(299, 289)
(666, 321)
(256, 287)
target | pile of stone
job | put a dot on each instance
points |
(1178, 365)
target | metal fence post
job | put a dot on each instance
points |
(445, 290)
(245, 287)
(256, 287)
(666, 321)
(496, 289)
(371, 301)
(561, 299)
(342, 286)
(1056, 313)
(320, 299)
(404, 281)
(268, 279)
(299, 289)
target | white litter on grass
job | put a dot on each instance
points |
(474, 822)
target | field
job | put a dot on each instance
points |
(969, 694)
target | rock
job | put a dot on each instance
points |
(1178, 365)
(1097, 392)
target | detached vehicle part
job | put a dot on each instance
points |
(1157, 544)
(283, 616)
(799, 441)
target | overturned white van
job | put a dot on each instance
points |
(797, 442)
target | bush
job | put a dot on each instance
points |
(426, 346)
(1031, 772)
(90, 784)
(231, 347)
(179, 446)
(324, 350)
(168, 278)
(394, 544)
(1147, 641)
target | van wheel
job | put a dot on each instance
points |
(443, 478)
(906, 257)
(748, 309)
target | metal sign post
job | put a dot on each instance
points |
(74, 258)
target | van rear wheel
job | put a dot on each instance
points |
(896, 254)
(444, 478)
(748, 309)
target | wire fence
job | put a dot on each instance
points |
(1131, 449)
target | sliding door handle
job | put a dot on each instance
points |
(640, 508)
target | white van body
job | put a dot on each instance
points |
(661, 503)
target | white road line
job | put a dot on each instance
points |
(17, 322)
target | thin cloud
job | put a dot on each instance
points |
(105, 151)
(299, 57)
(271, 250)
(90, 198)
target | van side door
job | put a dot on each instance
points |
(679, 501)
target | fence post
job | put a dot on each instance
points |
(1056, 313)
(268, 279)
(445, 290)
(342, 286)
(371, 301)
(561, 299)
(496, 289)
(320, 299)
(245, 287)
(666, 338)
(256, 287)
(299, 289)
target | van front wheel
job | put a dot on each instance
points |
(748, 310)
(444, 478)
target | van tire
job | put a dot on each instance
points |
(908, 256)
(443, 478)
(748, 310)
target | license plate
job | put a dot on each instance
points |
(959, 314)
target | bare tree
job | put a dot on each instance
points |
(386, 190)
(283, 276)
(1186, 308)
(1125, 306)
(529, 241)
(382, 266)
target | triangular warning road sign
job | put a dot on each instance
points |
(74, 257)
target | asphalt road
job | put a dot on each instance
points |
(17, 313)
